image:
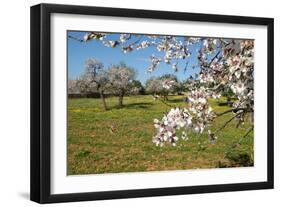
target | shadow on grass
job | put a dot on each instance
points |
(141, 105)
(178, 100)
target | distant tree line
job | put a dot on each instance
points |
(120, 80)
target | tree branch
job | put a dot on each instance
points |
(248, 132)
(214, 57)
(240, 140)
(76, 38)
(227, 122)
(234, 111)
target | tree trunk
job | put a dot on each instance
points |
(228, 99)
(120, 100)
(103, 100)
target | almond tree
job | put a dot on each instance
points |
(162, 86)
(137, 88)
(121, 79)
(73, 87)
(94, 78)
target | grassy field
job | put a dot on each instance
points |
(120, 139)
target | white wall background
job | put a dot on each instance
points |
(14, 103)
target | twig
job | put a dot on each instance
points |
(233, 110)
(227, 122)
(135, 42)
(76, 38)
(132, 43)
(239, 123)
(214, 57)
(186, 64)
(248, 132)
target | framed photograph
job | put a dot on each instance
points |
(132, 103)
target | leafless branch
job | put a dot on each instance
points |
(248, 132)
(227, 122)
(234, 111)
(75, 38)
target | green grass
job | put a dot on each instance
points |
(120, 139)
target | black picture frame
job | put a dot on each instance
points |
(41, 97)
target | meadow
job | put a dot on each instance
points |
(120, 139)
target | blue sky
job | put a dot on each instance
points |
(79, 52)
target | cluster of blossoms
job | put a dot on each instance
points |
(223, 64)
(241, 80)
(195, 118)
(168, 83)
(171, 122)
(231, 67)
(155, 61)
(173, 48)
